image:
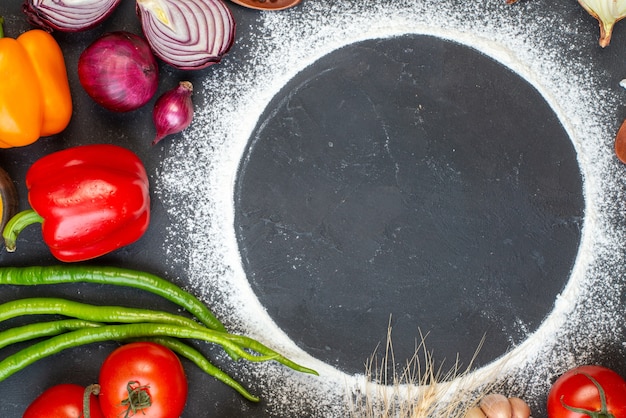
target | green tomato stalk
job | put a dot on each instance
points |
(602, 413)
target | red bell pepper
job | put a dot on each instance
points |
(90, 200)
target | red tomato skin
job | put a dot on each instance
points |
(62, 401)
(580, 392)
(151, 365)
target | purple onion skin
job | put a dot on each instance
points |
(173, 111)
(53, 15)
(119, 71)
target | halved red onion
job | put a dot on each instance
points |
(68, 15)
(187, 34)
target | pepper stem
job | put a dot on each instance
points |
(1, 27)
(16, 224)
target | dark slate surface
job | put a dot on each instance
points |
(387, 172)
(397, 174)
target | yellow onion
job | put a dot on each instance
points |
(607, 12)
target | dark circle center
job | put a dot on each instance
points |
(415, 179)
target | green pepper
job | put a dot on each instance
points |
(90, 200)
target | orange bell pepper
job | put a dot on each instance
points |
(35, 97)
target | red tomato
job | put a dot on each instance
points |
(147, 370)
(62, 401)
(577, 389)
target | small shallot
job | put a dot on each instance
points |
(119, 71)
(68, 15)
(173, 111)
(187, 34)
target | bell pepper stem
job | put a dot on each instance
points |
(16, 224)
(1, 27)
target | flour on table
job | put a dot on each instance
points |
(198, 175)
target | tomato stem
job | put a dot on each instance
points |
(138, 398)
(89, 390)
(602, 413)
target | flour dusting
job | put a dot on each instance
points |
(198, 174)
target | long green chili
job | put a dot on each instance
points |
(42, 329)
(203, 363)
(73, 273)
(117, 314)
(56, 344)
(51, 328)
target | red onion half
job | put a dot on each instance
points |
(119, 71)
(68, 15)
(187, 34)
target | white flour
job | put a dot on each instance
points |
(197, 179)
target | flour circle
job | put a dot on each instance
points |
(388, 184)
(288, 42)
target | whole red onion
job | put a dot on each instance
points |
(119, 71)
(173, 111)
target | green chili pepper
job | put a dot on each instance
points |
(71, 273)
(102, 323)
(50, 306)
(203, 363)
(42, 329)
(56, 344)
(51, 328)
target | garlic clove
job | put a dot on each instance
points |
(519, 408)
(475, 412)
(607, 12)
(496, 405)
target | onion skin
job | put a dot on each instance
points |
(173, 111)
(187, 34)
(119, 71)
(51, 15)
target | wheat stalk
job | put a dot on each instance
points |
(420, 390)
